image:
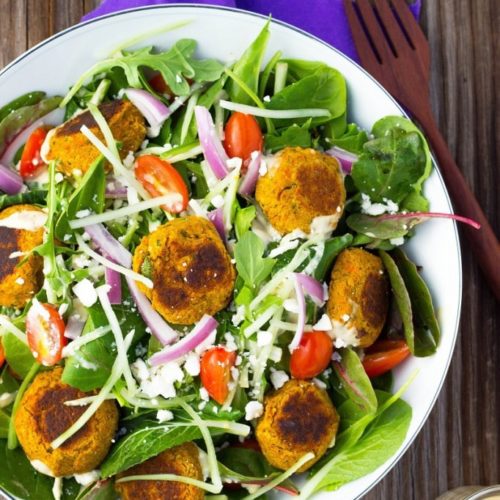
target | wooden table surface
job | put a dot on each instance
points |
(460, 443)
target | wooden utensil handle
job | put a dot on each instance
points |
(483, 242)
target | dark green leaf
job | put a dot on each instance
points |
(32, 197)
(424, 318)
(293, 136)
(20, 102)
(352, 140)
(333, 247)
(383, 382)
(401, 297)
(4, 424)
(266, 73)
(17, 354)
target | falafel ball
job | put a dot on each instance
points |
(180, 460)
(303, 189)
(43, 416)
(21, 276)
(298, 418)
(75, 153)
(190, 267)
(358, 297)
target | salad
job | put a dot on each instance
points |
(202, 285)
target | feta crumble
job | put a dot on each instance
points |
(253, 410)
(86, 292)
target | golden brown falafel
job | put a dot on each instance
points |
(300, 185)
(298, 418)
(358, 297)
(74, 151)
(19, 282)
(181, 460)
(43, 416)
(190, 267)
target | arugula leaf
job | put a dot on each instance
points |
(426, 326)
(401, 297)
(352, 140)
(243, 220)
(251, 266)
(176, 65)
(390, 166)
(355, 381)
(294, 135)
(248, 67)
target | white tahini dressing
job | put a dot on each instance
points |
(29, 220)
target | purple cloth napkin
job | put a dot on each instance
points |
(324, 18)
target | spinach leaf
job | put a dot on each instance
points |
(383, 382)
(333, 247)
(293, 136)
(248, 67)
(352, 140)
(325, 88)
(22, 117)
(251, 266)
(4, 424)
(381, 227)
(266, 73)
(90, 195)
(7, 382)
(380, 441)
(424, 318)
(31, 197)
(336, 127)
(176, 65)
(390, 165)
(25, 100)
(244, 219)
(355, 381)
(401, 297)
(17, 354)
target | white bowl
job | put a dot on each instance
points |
(223, 33)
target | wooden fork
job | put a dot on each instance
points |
(393, 48)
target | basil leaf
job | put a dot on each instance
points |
(401, 297)
(251, 266)
(426, 326)
(355, 381)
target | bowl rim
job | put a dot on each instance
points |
(198, 6)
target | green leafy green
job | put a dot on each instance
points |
(391, 165)
(4, 424)
(293, 136)
(251, 266)
(28, 99)
(18, 355)
(333, 247)
(244, 219)
(31, 197)
(401, 297)
(352, 140)
(425, 323)
(266, 73)
(247, 68)
(22, 117)
(355, 381)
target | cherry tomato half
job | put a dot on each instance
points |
(158, 84)
(312, 356)
(31, 160)
(215, 372)
(384, 355)
(2, 355)
(45, 332)
(159, 178)
(242, 136)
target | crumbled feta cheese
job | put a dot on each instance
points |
(235, 373)
(263, 168)
(59, 177)
(83, 213)
(129, 159)
(291, 305)
(140, 370)
(192, 364)
(278, 378)
(87, 477)
(266, 98)
(238, 316)
(218, 201)
(276, 354)
(6, 399)
(234, 163)
(230, 342)
(397, 241)
(86, 292)
(204, 394)
(253, 410)
(344, 335)
(264, 338)
(374, 209)
(164, 416)
(324, 323)
(319, 383)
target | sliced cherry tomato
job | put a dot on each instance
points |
(2, 355)
(242, 136)
(159, 178)
(215, 372)
(158, 83)
(249, 444)
(384, 355)
(312, 356)
(45, 332)
(31, 160)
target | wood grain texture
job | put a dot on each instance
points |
(460, 443)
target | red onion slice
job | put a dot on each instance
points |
(150, 107)
(113, 279)
(193, 339)
(74, 327)
(210, 143)
(217, 218)
(312, 287)
(301, 319)
(247, 186)
(345, 158)
(10, 181)
(111, 247)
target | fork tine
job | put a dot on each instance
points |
(413, 30)
(392, 27)
(367, 54)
